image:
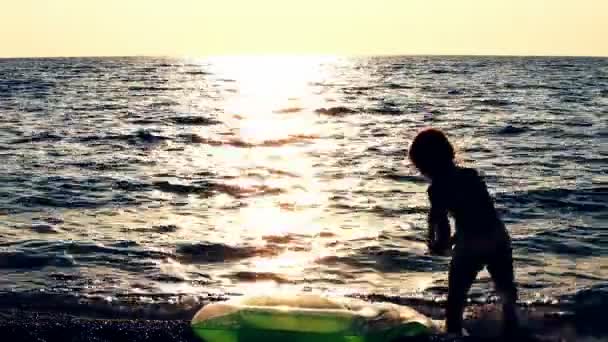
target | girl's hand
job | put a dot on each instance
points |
(438, 248)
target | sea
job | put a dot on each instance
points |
(148, 184)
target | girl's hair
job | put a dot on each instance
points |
(431, 152)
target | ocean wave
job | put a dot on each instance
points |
(142, 70)
(68, 192)
(440, 71)
(123, 256)
(33, 85)
(167, 228)
(89, 249)
(139, 136)
(118, 164)
(539, 244)
(588, 238)
(142, 121)
(45, 229)
(193, 120)
(402, 178)
(288, 110)
(38, 137)
(148, 89)
(386, 260)
(250, 276)
(207, 189)
(163, 103)
(386, 110)
(64, 200)
(335, 111)
(235, 142)
(217, 252)
(204, 189)
(398, 86)
(570, 200)
(171, 278)
(397, 212)
(511, 130)
(158, 229)
(493, 102)
(532, 86)
(197, 73)
(281, 239)
(456, 92)
(279, 172)
(29, 261)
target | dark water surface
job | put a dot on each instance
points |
(164, 181)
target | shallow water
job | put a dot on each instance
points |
(165, 180)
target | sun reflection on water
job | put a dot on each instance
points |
(271, 102)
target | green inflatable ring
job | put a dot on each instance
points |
(307, 318)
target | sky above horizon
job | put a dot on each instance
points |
(36, 28)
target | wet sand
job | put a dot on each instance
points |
(22, 325)
(16, 325)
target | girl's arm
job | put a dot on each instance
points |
(439, 230)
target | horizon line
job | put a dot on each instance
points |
(307, 55)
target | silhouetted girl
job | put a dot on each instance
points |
(480, 239)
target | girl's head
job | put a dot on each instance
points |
(432, 153)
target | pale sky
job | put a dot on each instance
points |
(345, 27)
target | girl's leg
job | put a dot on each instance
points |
(463, 270)
(500, 268)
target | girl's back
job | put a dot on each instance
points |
(463, 193)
